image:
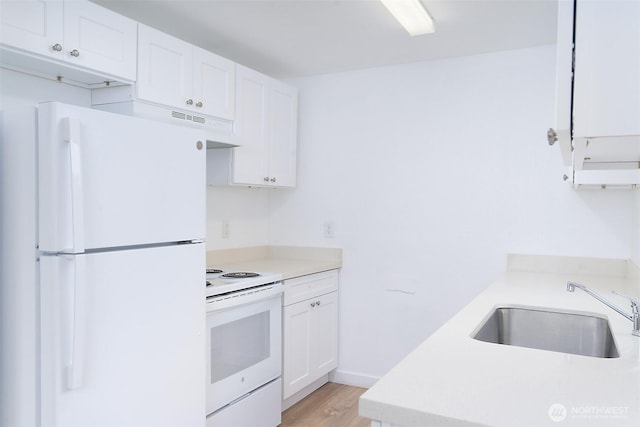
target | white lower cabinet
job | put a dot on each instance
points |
(310, 330)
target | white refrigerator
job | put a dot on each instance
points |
(102, 266)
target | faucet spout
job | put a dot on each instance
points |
(634, 316)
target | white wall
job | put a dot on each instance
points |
(431, 173)
(246, 211)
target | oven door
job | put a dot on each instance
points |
(243, 349)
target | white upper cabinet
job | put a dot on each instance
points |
(175, 73)
(214, 84)
(97, 38)
(75, 33)
(251, 159)
(561, 132)
(266, 130)
(34, 26)
(598, 91)
(607, 69)
(283, 134)
(164, 68)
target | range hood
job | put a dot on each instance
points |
(219, 132)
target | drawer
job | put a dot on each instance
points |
(305, 287)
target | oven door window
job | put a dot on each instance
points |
(244, 349)
(239, 345)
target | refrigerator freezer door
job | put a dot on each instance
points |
(108, 180)
(138, 357)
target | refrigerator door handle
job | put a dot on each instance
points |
(77, 316)
(71, 129)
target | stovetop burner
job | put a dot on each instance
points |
(232, 281)
(240, 275)
(213, 271)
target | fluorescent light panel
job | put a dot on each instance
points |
(412, 16)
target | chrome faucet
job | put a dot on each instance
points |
(634, 316)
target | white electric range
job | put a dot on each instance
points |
(244, 345)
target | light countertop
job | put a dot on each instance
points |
(454, 380)
(290, 261)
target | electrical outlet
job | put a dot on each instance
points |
(328, 230)
(224, 229)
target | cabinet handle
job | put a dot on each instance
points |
(74, 53)
(273, 179)
(199, 104)
(57, 47)
(266, 179)
(189, 101)
(552, 136)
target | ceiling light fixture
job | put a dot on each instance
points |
(412, 15)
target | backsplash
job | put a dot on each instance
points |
(237, 217)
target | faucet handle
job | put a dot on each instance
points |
(635, 313)
(635, 303)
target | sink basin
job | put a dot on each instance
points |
(549, 329)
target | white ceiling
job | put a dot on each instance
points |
(294, 38)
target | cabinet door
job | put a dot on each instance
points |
(97, 38)
(310, 341)
(607, 70)
(35, 26)
(165, 68)
(213, 84)
(296, 372)
(564, 79)
(283, 137)
(324, 330)
(250, 161)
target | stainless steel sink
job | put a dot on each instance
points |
(549, 329)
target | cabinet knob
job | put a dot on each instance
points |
(189, 101)
(74, 53)
(313, 304)
(266, 179)
(552, 136)
(317, 302)
(199, 104)
(273, 179)
(57, 47)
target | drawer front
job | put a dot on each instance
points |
(305, 287)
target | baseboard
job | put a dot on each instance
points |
(352, 378)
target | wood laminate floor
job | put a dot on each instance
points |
(332, 405)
